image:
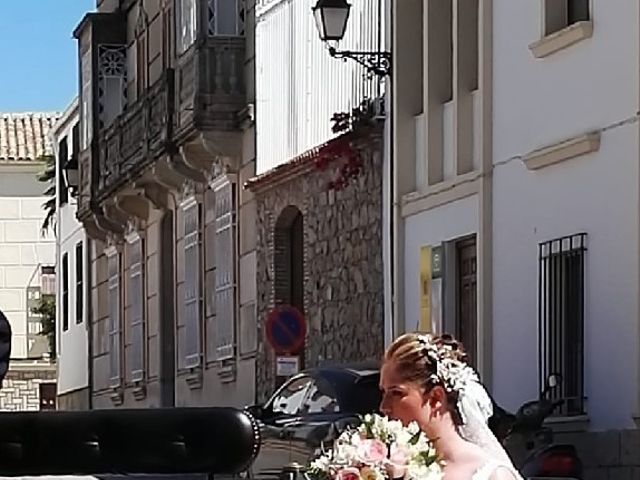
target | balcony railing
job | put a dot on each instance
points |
(206, 91)
(136, 137)
(211, 85)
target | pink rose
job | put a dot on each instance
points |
(372, 451)
(397, 465)
(348, 473)
(399, 455)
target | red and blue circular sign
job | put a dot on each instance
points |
(286, 329)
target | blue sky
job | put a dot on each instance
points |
(38, 54)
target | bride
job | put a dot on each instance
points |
(426, 379)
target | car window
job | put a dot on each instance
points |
(320, 399)
(289, 398)
(363, 396)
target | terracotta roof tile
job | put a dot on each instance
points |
(25, 136)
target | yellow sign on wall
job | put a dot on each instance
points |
(425, 289)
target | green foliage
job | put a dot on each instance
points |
(46, 308)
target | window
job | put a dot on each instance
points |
(63, 156)
(211, 348)
(48, 280)
(79, 283)
(65, 292)
(86, 99)
(289, 399)
(113, 269)
(167, 36)
(136, 312)
(561, 265)
(187, 24)
(226, 17)
(75, 140)
(192, 296)
(559, 14)
(112, 71)
(289, 258)
(321, 399)
(142, 51)
(141, 64)
(225, 254)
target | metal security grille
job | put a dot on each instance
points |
(561, 319)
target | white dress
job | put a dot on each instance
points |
(485, 472)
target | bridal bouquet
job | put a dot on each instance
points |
(379, 449)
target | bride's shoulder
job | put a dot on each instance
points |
(496, 471)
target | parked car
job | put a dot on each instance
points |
(310, 410)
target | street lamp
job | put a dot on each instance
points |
(71, 175)
(331, 20)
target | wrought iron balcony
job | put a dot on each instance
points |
(210, 81)
(139, 135)
(204, 94)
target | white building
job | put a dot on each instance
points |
(298, 85)
(27, 258)
(71, 259)
(517, 226)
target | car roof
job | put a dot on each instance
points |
(356, 371)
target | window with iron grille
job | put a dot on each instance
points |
(79, 283)
(113, 269)
(186, 22)
(65, 292)
(225, 275)
(192, 296)
(226, 17)
(136, 307)
(561, 319)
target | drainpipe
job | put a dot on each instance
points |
(388, 197)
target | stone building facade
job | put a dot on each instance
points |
(320, 250)
(29, 389)
(162, 152)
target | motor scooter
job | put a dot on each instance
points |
(530, 443)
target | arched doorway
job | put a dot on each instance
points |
(288, 263)
(288, 259)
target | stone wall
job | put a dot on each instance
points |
(343, 283)
(21, 389)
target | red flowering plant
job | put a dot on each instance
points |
(345, 153)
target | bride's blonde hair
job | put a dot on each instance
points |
(410, 354)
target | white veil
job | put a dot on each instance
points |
(475, 408)
(474, 404)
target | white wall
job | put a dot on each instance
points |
(588, 85)
(538, 102)
(432, 227)
(23, 249)
(73, 343)
(298, 85)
